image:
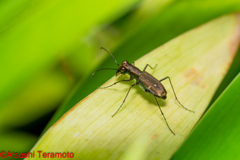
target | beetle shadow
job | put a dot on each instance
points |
(114, 87)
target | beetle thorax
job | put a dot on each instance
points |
(133, 71)
(126, 65)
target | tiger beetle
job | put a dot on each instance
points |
(146, 81)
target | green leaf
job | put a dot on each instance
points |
(37, 98)
(196, 62)
(34, 34)
(17, 141)
(217, 135)
(173, 20)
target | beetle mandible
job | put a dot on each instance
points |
(147, 82)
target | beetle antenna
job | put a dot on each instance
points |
(111, 55)
(103, 69)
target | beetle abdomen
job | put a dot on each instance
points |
(152, 84)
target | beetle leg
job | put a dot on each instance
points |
(125, 98)
(124, 80)
(163, 115)
(149, 66)
(175, 93)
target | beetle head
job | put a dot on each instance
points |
(123, 68)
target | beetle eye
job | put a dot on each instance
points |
(123, 69)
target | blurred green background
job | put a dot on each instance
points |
(48, 50)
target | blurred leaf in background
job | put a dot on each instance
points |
(43, 53)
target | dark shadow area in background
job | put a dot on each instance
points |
(36, 127)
